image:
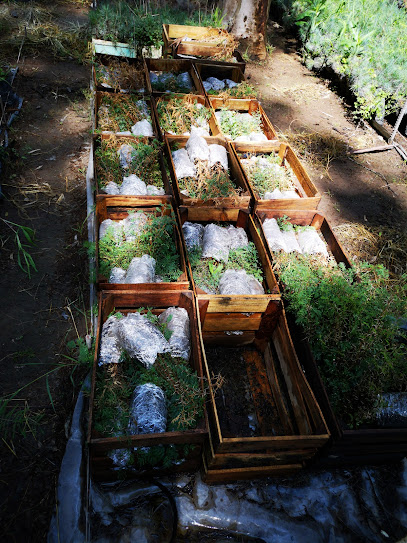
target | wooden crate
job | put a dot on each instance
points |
(246, 314)
(126, 302)
(304, 218)
(107, 61)
(174, 66)
(291, 429)
(236, 61)
(245, 106)
(205, 70)
(117, 208)
(305, 188)
(241, 202)
(98, 101)
(173, 34)
(213, 126)
(146, 199)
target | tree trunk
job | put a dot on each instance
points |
(247, 20)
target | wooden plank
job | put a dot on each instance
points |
(218, 322)
(228, 476)
(231, 340)
(242, 460)
(239, 303)
(272, 443)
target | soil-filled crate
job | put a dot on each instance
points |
(230, 271)
(275, 176)
(118, 74)
(180, 115)
(205, 172)
(242, 120)
(198, 41)
(126, 114)
(263, 417)
(347, 324)
(225, 81)
(131, 167)
(172, 75)
(138, 248)
(234, 61)
(147, 410)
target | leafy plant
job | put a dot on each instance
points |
(118, 113)
(234, 124)
(267, 172)
(177, 115)
(24, 238)
(243, 90)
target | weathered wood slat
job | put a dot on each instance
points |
(236, 474)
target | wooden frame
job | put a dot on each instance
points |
(125, 302)
(247, 106)
(205, 70)
(117, 208)
(213, 126)
(172, 66)
(241, 202)
(147, 199)
(278, 378)
(98, 99)
(305, 188)
(173, 34)
(104, 60)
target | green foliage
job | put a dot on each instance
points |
(118, 113)
(176, 115)
(156, 239)
(351, 320)
(24, 238)
(267, 177)
(354, 38)
(243, 90)
(234, 125)
(17, 420)
(209, 183)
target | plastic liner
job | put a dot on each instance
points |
(237, 237)
(112, 188)
(155, 191)
(126, 153)
(133, 225)
(216, 84)
(104, 226)
(290, 240)
(148, 410)
(230, 84)
(184, 81)
(110, 348)
(193, 234)
(141, 339)
(311, 243)
(395, 412)
(218, 154)
(154, 78)
(274, 236)
(207, 86)
(117, 275)
(141, 270)
(197, 148)
(215, 242)
(133, 185)
(198, 131)
(182, 164)
(178, 323)
(142, 106)
(143, 128)
(239, 282)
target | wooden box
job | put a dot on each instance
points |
(304, 187)
(242, 201)
(102, 467)
(174, 66)
(241, 315)
(117, 208)
(213, 126)
(147, 199)
(244, 106)
(205, 70)
(135, 79)
(205, 41)
(99, 96)
(235, 62)
(263, 417)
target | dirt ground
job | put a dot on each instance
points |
(44, 188)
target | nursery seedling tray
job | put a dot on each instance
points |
(263, 379)
(205, 70)
(114, 209)
(107, 61)
(213, 126)
(175, 66)
(247, 314)
(123, 200)
(99, 446)
(245, 106)
(235, 173)
(305, 188)
(123, 97)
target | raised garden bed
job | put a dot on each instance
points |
(263, 417)
(113, 171)
(124, 113)
(226, 81)
(242, 120)
(275, 166)
(116, 74)
(151, 231)
(179, 447)
(172, 75)
(177, 114)
(210, 183)
(242, 315)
